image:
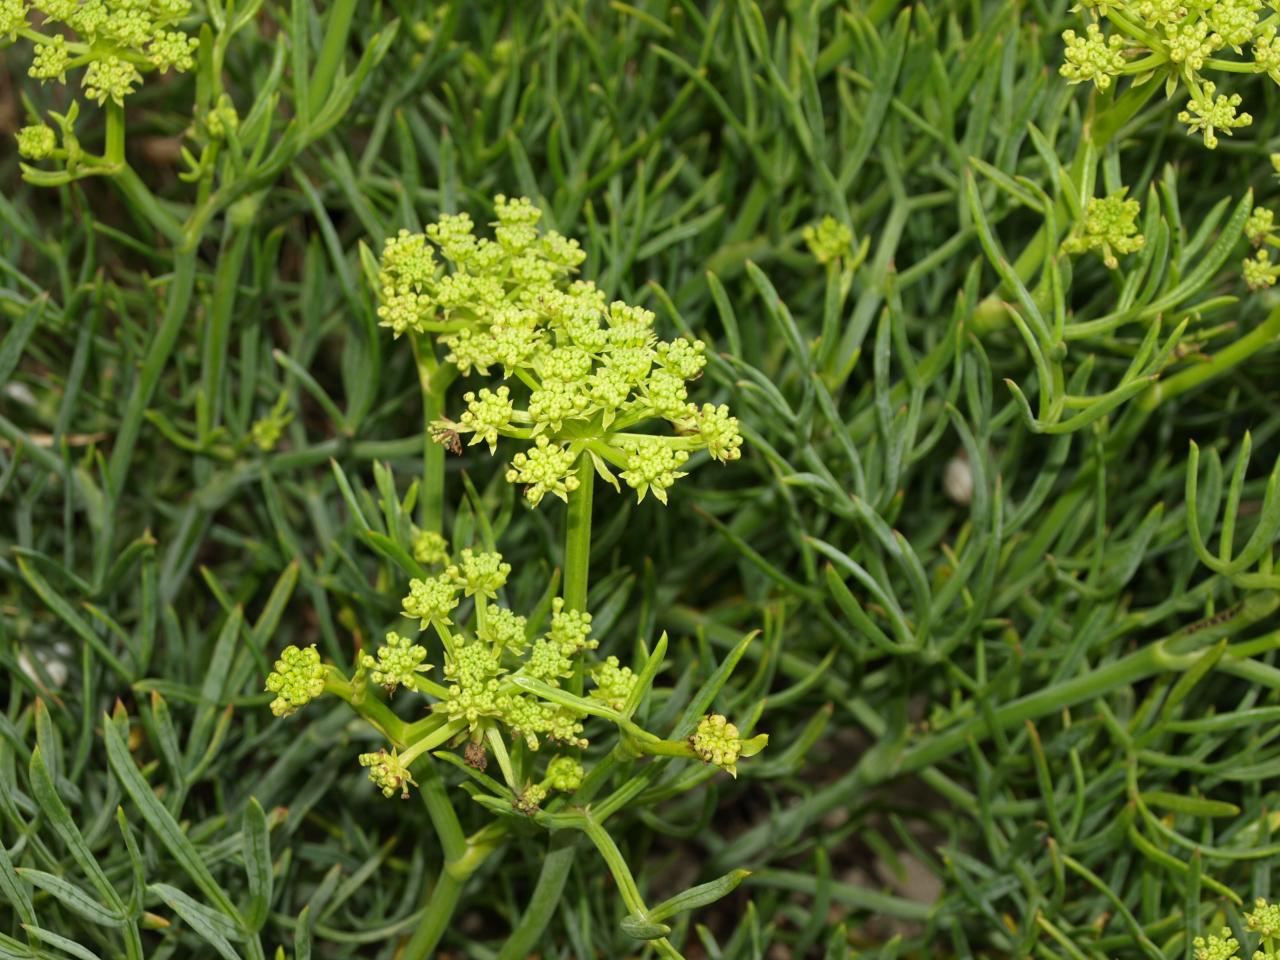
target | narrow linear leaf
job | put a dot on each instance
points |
(162, 822)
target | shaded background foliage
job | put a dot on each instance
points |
(919, 795)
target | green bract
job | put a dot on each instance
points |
(586, 377)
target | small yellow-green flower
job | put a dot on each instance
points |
(1209, 114)
(433, 599)
(1259, 225)
(388, 773)
(487, 413)
(528, 800)
(564, 773)
(613, 683)
(1092, 57)
(298, 678)
(36, 142)
(652, 466)
(504, 629)
(172, 50)
(110, 79)
(1259, 272)
(719, 431)
(1216, 948)
(1191, 44)
(51, 60)
(829, 240)
(544, 468)
(716, 741)
(397, 664)
(483, 573)
(1109, 227)
(1265, 918)
(429, 547)
(1266, 53)
(13, 17)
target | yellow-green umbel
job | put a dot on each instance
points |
(388, 773)
(1222, 947)
(716, 742)
(1109, 226)
(298, 678)
(583, 377)
(397, 664)
(1093, 57)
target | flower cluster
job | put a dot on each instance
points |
(397, 664)
(1175, 41)
(1092, 57)
(1109, 227)
(716, 741)
(113, 41)
(1265, 919)
(488, 662)
(1259, 270)
(1208, 114)
(829, 240)
(429, 548)
(502, 678)
(265, 433)
(388, 773)
(1223, 947)
(564, 773)
(585, 377)
(613, 683)
(298, 678)
(482, 665)
(36, 142)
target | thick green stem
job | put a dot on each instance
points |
(1174, 653)
(376, 713)
(437, 912)
(1264, 335)
(560, 854)
(577, 551)
(433, 381)
(114, 148)
(577, 538)
(442, 900)
(148, 205)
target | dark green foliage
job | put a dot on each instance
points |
(1004, 520)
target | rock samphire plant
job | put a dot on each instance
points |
(546, 733)
(989, 301)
